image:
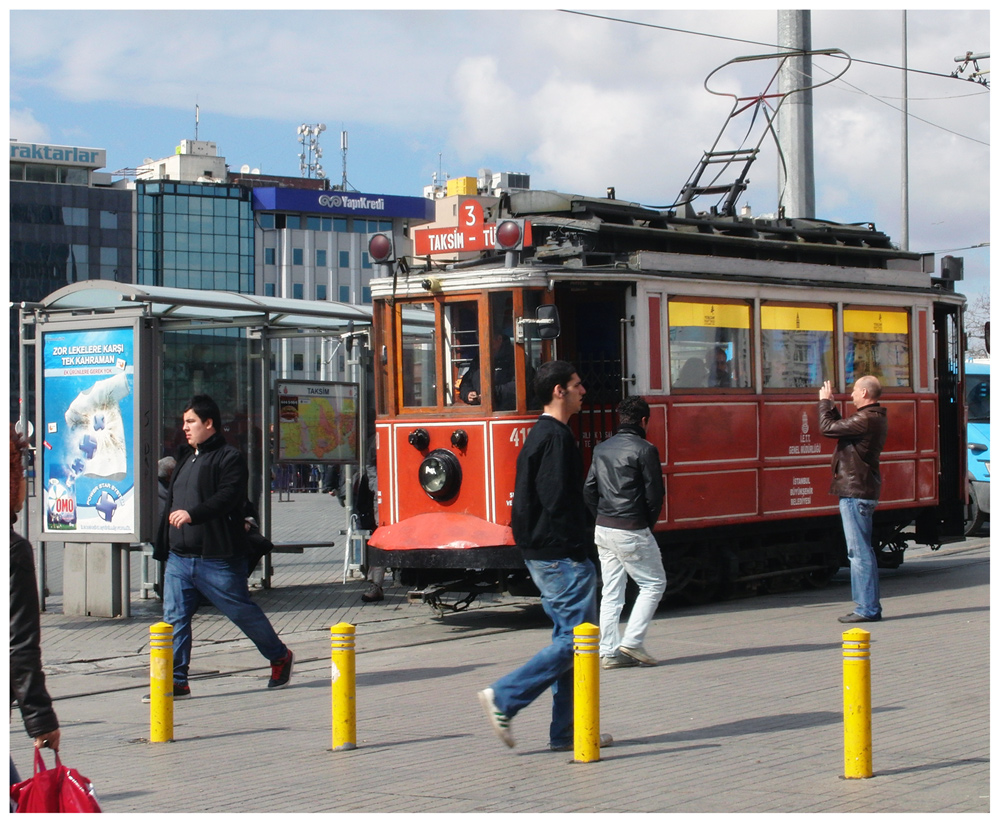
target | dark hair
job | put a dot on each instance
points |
(17, 446)
(632, 410)
(549, 375)
(206, 409)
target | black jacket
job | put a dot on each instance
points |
(222, 492)
(27, 681)
(861, 438)
(549, 518)
(624, 486)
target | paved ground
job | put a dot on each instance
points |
(744, 714)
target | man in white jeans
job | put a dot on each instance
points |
(624, 489)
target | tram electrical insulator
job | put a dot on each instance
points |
(510, 235)
(381, 248)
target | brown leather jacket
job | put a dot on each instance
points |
(861, 438)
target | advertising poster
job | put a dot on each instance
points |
(86, 443)
(317, 422)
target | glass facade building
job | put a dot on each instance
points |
(61, 233)
(194, 236)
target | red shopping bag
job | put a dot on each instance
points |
(54, 790)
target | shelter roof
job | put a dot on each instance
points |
(220, 307)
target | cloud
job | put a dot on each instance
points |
(25, 128)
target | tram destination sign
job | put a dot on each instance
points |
(472, 233)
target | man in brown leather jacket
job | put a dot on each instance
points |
(857, 481)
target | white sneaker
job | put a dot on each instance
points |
(499, 721)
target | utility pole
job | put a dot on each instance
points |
(904, 230)
(794, 117)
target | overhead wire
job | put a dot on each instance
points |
(775, 46)
(750, 42)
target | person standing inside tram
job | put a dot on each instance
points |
(857, 481)
(624, 490)
(503, 375)
(550, 524)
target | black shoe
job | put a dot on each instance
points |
(854, 617)
(373, 595)
(281, 671)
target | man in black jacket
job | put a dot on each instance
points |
(202, 537)
(550, 524)
(624, 489)
(858, 483)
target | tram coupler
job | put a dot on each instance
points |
(433, 595)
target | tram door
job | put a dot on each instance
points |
(951, 432)
(591, 339)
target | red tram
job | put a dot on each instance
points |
(727, 326)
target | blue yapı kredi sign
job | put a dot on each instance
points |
(87, 431)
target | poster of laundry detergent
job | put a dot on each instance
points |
(87, 432)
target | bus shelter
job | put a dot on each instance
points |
(115, 363)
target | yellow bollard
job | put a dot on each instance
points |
(857, 704)
(161, 683)
(586, 694)
(342, 687)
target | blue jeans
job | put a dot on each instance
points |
(628, 553)
(223, 580)
(569, 597)
(857, 517)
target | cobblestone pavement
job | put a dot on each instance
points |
(744, 714)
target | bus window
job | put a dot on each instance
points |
(418, 374)
(461, 331)
(877, 342)
(709, 344)
(796, 346)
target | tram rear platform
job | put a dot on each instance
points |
(744, 714)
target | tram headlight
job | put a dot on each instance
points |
(440, 474)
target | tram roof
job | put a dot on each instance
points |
(221, 307)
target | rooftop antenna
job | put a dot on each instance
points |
(311, 153)
(195, 122)
(343, 151)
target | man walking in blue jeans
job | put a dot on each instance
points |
(202, 538)
(550, 525)
(857, 481)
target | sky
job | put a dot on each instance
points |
(579, 100)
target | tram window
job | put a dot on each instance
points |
(877, 342)
(534, 350)
(709, 345)
(461, 331)
(502, 382)
(797, 348)
(419, 353)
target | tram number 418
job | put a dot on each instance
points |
(518, 436)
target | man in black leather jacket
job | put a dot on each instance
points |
(624, 489)
(858, 483)
(27, 680)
